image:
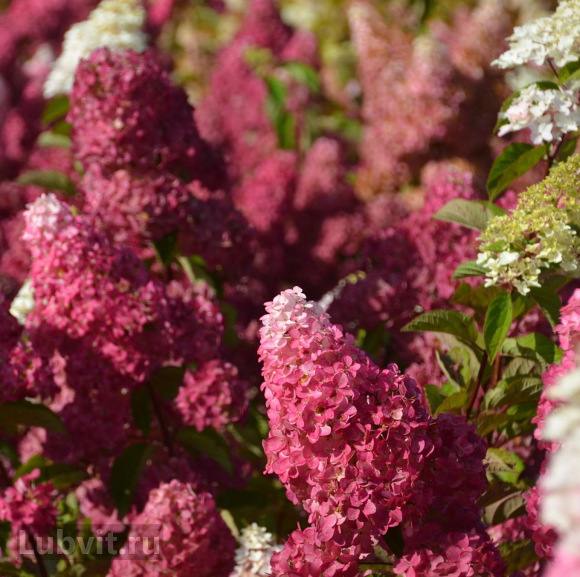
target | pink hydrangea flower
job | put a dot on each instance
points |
(29, 505)
(212, 396)
(191, 537)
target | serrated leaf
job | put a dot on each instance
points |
(49, 180)
(304, 74)
(452, 403)
(520, 367)
(29, 414)
(518, 555)
(453, 365)
(477, 299)
(505, 465)
(510, 507)
(208, 442)
(514, 390)
(452, 322)
(515, 160)
(497, 323)
(141, 409)
(485, 423)
(469, 269)
(533, 346)
(125, 475)
(468, 213)
(549, 302)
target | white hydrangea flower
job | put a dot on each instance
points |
(555, 38)
(567, 388)
(254, 553)
(560, 484)
(23, 303)
(549, 114)
(116, 24)
(510, 268)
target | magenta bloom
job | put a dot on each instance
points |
(29, 505)
(191, 537)
(354, 446)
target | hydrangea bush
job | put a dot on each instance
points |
(289, 288)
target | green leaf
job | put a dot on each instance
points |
(63, 476)
(504, 465)
(468, 213)
(125, 474)
(468, 269)
(514, 390)
(304, 74)
(454, 368)
(35, 462)
(452, 322)
(209, 443)
(506, 104)
(452, 403)
(141, 408)
(395, 540)
(518, 555)
(60, 475)
(485, 423)
(53, 140)
(515, 160)
(374, 342)
(497, 323)
(29, 414)
(55, 109)
(535, 347)
(285, 126)
(49, 180)
(9, 452)
(232, 499)
(501, 502)
(166, 381)
(434, 397)
(166, 248)
(549, 301)
(283, 122)
(568, 148)
(9, 570)
(520, 367)
(570, 71)
(477, 299)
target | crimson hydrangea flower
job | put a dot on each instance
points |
(346, 439)
(29, 505)
(354, 446)
(127, 114)
(87, 289)
(134, 207)
(212, 396)
(188, 533)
